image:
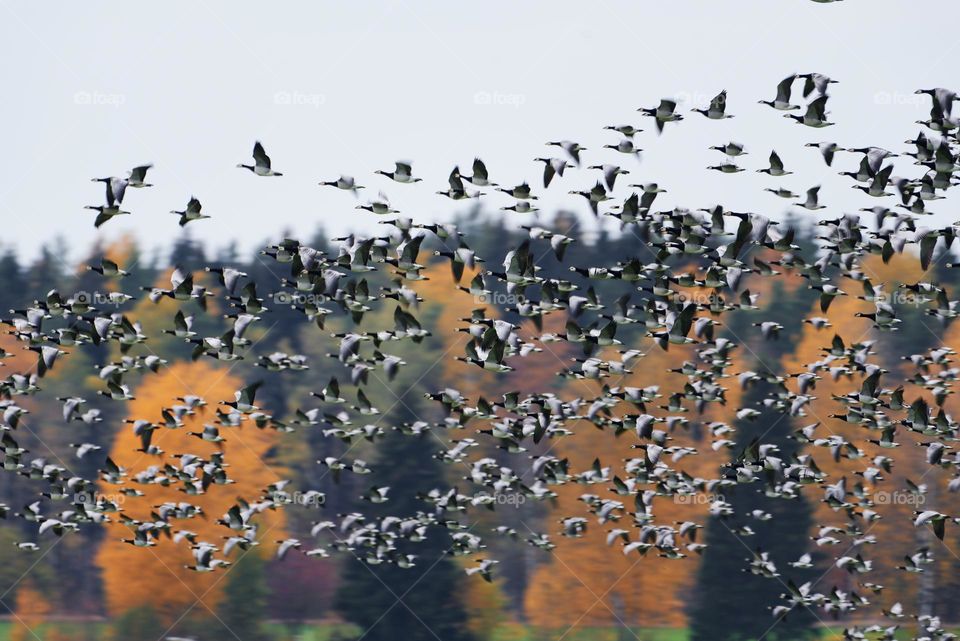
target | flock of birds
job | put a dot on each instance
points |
(708, 249)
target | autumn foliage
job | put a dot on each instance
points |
(137, 576)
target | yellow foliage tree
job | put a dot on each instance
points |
(894, 529)
(440, 296)
(597, 584)
(156, 576)
(944, 571)
(484, 603)
(30, 610)
(120, 251)
(19, 360)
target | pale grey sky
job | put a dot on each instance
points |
(94, 88)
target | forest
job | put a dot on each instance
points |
(88, 586)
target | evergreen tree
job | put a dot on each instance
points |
(14, 292)
(188, 254)
(139, 624)
(243, 608)
(731, 603)
(421, 603)
(47, 272)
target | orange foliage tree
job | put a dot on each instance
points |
(156, 576)
(29, 611)
(597, 584)
(895, 527)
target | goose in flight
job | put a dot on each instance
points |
(625, 146)
(116, 188)
(105, 213)
(210, 434)
(816, 81)
(732, 149)
(521, 207)
(816, 115)
(552, 167)
(203, 554)
(663, 113)
(727, 168)
(261, 166)
(137, 177)
(874, 156)
(380, 206)
(943, 100)
(827, 150)
(934, 518)
(403, 173)
(649, 188)
(573, 149)
(191, 213)
(457, 190)
(782, 101)
(520, 192)
(480, 177)
(627, 130)
(244, 398)
(347, 183)
(812, 202)
(108, 268)
(717, 108)
(284, 547)
(594, 196)
(782, 192)
(484, 569)
(228, 277)
(878, 184)
(776, 166)
(610, 173)
(183, 326)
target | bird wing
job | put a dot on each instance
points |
(479, 169)
(775, 162)
(719, 102)
(139, 174)
(404, 168)
(260, 156)
(784, 88)
(818, 108)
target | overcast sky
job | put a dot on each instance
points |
(92, 89)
